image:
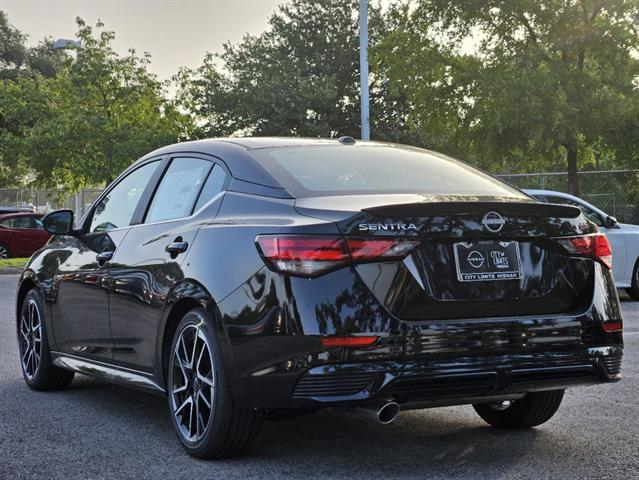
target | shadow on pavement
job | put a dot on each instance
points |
(105, 421)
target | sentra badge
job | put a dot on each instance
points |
(390, 227)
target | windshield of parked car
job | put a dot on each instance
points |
(309, 171)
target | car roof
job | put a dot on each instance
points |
(4, 210)
(236, 153)
(531, 191)
(537, 191)
(253, 143)
(4, 216)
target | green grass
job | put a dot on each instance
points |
(13, 262)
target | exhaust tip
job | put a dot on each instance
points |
(388, 412)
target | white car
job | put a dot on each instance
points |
(624, 238)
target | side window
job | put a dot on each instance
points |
(5, 223)
(212, 186)
(116, 209)
(24, 222)
(178, 189)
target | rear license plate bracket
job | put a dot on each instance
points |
(487, 260)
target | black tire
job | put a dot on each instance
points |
(633, 291)
(230, 430)
(532, 410)
(43, 375)
(5, 252)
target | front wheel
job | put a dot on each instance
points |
(633, 291)
(532, 410)
(4, 251)
(208, 421)
(35, 357)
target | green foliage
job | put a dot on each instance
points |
(510, 85)
(83, 126)
(300, 77)
(13, 53)
(550, 82)
(13, 263)
(21, 65)
(18, 60)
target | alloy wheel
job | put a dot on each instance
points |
(4, 253)
(192, 384)
(30, 339)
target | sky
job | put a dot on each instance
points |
(175, 32)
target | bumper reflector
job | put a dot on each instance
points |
(334, 342)
(612, 326)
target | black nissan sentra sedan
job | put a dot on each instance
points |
(265, 276)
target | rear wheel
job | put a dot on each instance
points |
(35, 358)
(532, 410)
(633, 291)
(4, 251)
(208, 421)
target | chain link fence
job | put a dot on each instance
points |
(44, 201)
(616, 192)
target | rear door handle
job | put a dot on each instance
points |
(176, 248)
(104, 257)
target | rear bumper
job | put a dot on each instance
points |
(419, 384)
(276, 358)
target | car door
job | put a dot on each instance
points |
(150, 260)
(29, 235)
(615, 235)
(81, 308)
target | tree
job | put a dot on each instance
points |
(547, 81)
(17, 59)
(300, 77)
(13, 53)
(98, 114)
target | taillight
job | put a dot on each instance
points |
(595, 246)
(312, 255)
(376, 249)
(360, 341)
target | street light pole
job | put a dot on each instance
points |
(363, 67)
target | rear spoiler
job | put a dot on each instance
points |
(527, 209)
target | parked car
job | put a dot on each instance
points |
(624, 238)
(255, 275)
(21, 234)
(15, 209)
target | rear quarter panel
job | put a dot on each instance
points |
(224, 255)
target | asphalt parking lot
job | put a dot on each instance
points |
(96, 430)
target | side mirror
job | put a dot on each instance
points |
(610, 222)
(59, 222)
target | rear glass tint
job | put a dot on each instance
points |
(343, 170)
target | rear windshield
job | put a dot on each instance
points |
(343, 170)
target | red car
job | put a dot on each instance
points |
(21, 234)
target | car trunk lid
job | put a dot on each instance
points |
(477, 256)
